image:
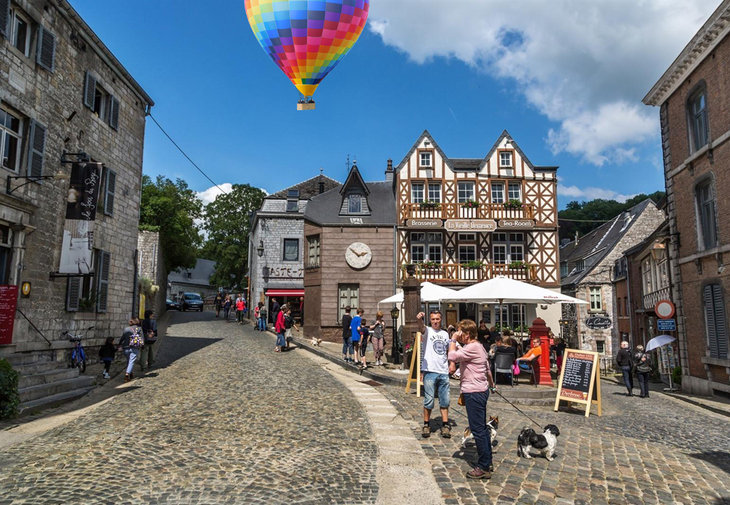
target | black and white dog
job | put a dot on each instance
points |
(492, 426)
(545, 443)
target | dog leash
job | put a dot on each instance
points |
(518, 409)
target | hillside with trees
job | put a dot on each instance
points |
(582, 217)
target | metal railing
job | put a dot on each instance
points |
(651, 299)
(456, 272)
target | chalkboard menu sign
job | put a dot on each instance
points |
(579, 379)
(8, 302)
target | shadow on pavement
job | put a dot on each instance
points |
(174, 348)
(720, 459)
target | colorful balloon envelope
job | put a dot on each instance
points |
(307, 38)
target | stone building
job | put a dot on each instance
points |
(693, 97)
(151, 265)
(349, 252)
(586, 270)
(276, 244)
(192, 280)
(466, 220)
(68, 110)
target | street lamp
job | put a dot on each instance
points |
(260, 248)
(395, 355)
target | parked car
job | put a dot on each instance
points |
(191, 301)
(172, 305)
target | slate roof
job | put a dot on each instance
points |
(324, 209)
(594, 246)
(307, 189)
(199, 274)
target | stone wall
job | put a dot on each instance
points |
(151, 264)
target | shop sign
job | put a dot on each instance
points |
(8, 303)
(486, 225)
(598, 322)
(424, 223)
(291, 272)
(516, 224)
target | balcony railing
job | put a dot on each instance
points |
(462, 211)
(456, 272)
(651, 299)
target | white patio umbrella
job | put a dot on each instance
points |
(429, 293)
(505, 290)
(659, 341)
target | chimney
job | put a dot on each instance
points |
(389, 172)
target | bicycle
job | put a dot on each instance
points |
(78, 355)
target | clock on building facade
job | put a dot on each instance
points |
(358, 255)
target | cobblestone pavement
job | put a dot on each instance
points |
(222, 419)
(656, 450)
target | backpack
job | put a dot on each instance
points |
(136, 340)
(288, 321)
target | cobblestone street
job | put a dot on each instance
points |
(223, 419)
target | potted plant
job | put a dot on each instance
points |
(427, 204)
(516, 265)
(513, 205)
(470, 204)
(430, 264)
(472, 264)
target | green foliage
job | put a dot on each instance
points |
(145, 286)
(172, 208)
(677, 375)
(426, 204)
(227, 220)
(472, 264)
(9, 398)
(596, 211)
(513, 204)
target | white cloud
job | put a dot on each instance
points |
(213, 192)
(590, 193)
(583, 64)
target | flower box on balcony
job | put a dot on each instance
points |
(513, 205)
(472, 264)
(429, 205)
(430, 265)
(518, 265)
(470, 204)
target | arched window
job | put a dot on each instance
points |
(698, 127)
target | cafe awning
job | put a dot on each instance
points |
(284, 292)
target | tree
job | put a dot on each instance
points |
(227, 221)
(172, 208)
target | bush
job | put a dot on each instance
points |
(677, 375)
(9, 399)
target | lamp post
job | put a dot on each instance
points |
(395, 355)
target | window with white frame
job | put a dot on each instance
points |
(697, 116)
(646, 276)
(424, 159)
(465, 192)
(417, 192)
(426, 246)
(313, 251)
(434, 192)
(516, 252)
(19, 35)
(715, 321)
(514, 191)
(467, 253)
(505, 159)
(11, 128)
(497, 192)
(499, 253)
(467, 237)
(707, 220)
(291, 249)
(594, 293)
(100, 101)
(508, 247)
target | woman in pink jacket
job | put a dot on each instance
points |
(280, 328)
(476, 382)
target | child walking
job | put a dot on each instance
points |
(106, 354)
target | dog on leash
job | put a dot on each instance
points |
(492, 426)
(544, 443)
(316, 341)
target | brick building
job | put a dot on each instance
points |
(62, 91)
(586, 270)
(276, 244)
(693, 97)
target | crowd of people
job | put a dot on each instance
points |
(357, 334)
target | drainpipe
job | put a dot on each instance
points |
(631, 307)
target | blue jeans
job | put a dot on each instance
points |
(628, 379)
(280, 340)
(132, 355)
(433, 382)
(643, 382)
(347, 346)
(476, 412)
(262, 324)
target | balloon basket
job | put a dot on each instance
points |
(305, 106)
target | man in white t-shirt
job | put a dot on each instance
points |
(435, 369)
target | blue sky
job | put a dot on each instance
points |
(564, 77)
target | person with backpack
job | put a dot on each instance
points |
(149, 331)
(131, 343)
(288, 324)
(262, 316)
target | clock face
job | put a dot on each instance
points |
(358, 255)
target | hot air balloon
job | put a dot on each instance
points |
(307, 38)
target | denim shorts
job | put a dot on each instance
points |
(433, 382)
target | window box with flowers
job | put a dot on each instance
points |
(470, 204)
(513, 205)
(471, 264)
(518, 265)
(430, 265)
(426, 204)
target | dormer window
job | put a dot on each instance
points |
(354, 205)
(505, 159)
(292, 200)
(425, 159)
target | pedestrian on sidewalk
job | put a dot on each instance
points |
(364, 337)
(275, 308)
(354, 348)
(346, 320)
(227, 307)
(106, 354)
(218, 303)
(476, 382)
(256, 315)
(643, 369)
(149, 330)
(262, 317)
(625, 363)
(240, 306)
(378, 337)
(280, 327)
(435, 368)
(131, 343)
(288, 324)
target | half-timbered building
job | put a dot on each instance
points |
(465, 220)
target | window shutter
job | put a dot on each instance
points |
(73, 293)
(36, 146)
(113, 112)
(102, 287)
(89, 90)
(109, 190)
(46, 49)
(4, 17)
(721, 336)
